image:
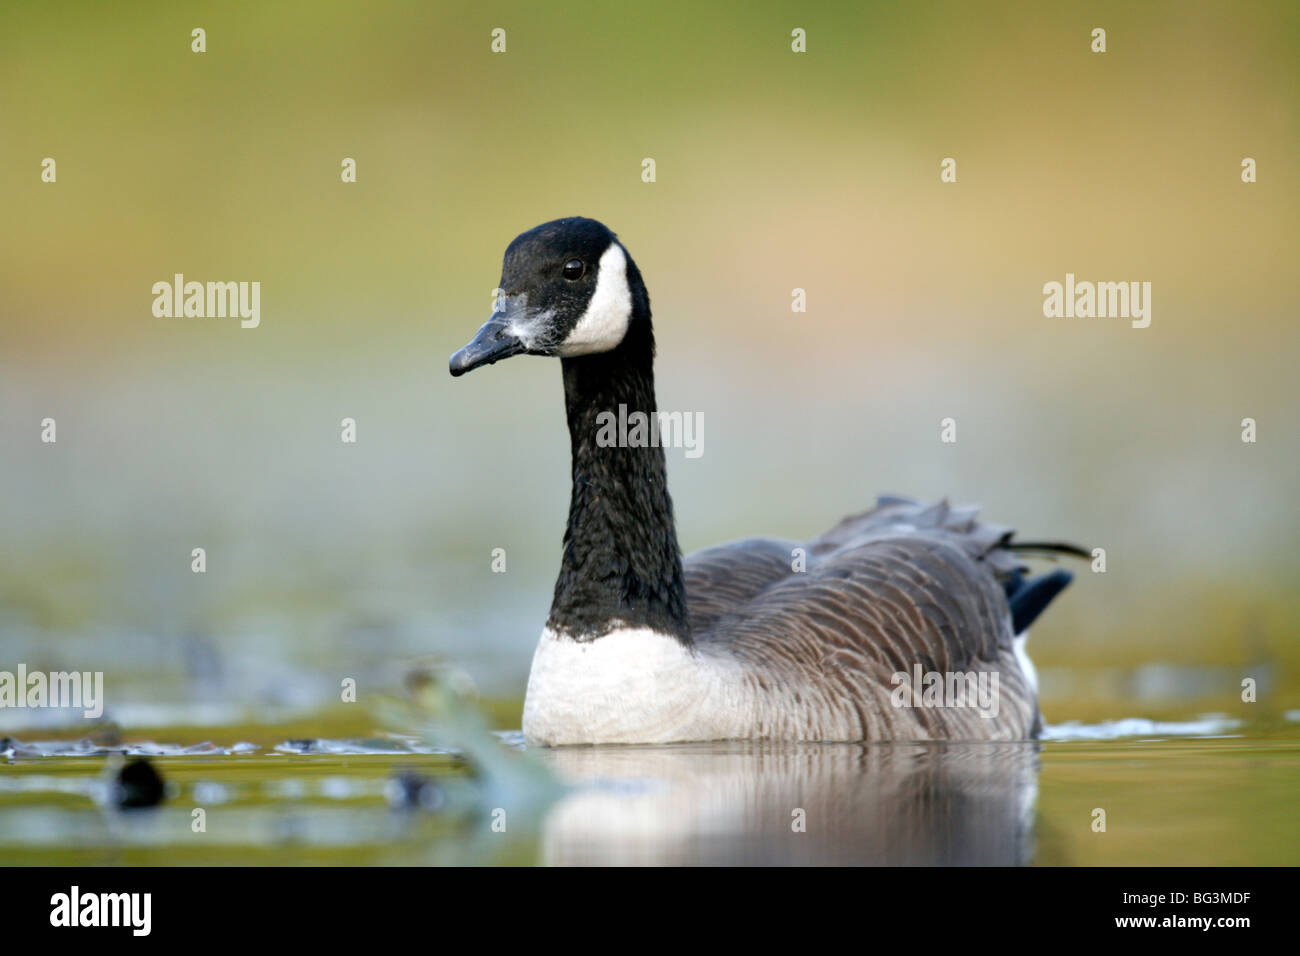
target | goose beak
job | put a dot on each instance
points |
(493, 343)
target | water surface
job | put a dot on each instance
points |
(1204, 791)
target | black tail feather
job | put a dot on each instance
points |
(1047, 548)
(1029, 597)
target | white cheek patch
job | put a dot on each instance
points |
(604, 324)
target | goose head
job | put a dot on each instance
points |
(568, 289)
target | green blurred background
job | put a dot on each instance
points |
(774, 171)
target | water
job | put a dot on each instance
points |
(1209, 790)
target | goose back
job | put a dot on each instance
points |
(901, 586)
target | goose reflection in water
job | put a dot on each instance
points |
(757, 803)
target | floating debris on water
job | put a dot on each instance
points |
(138, 785)
(409, 790)
(91, 747)
(393, 746)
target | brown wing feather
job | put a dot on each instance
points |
(722, 580)
(900, 585)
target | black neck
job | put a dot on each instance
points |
(621, 565)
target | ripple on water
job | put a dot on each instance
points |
(1209, 725)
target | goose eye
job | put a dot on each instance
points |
(573, 269)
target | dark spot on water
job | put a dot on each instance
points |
(409, 790)
(138, 785)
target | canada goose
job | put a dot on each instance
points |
(734, 642)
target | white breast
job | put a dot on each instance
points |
(630, 686)
(637, 686)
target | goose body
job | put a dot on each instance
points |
(905, 622)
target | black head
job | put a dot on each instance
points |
(568, 288)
